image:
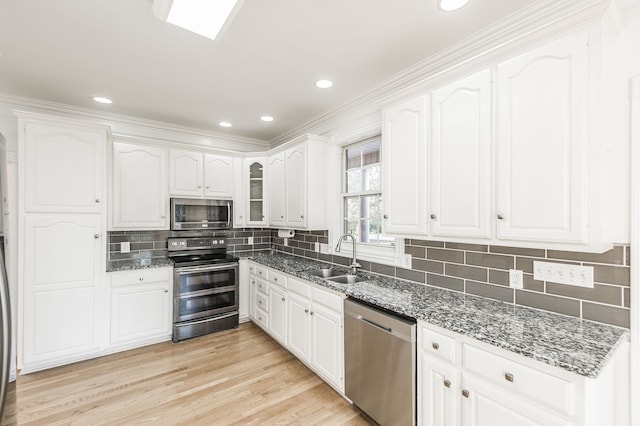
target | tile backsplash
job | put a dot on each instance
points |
(470, 268)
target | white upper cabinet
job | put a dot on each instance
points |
(460, 158)
(298, 184)
(276, 189)
(542, 143)
(185, 173)
(255, 179)
(64, 167)
(140, 198)
(194, 174)
(404, 143)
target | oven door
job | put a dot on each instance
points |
(205, 291)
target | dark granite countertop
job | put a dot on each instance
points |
(132, 264)
(576, 345)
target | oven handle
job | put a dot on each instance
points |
(206, 268)
(208, 319)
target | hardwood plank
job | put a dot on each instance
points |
(236, 377)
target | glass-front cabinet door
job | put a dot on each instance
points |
(256, 207)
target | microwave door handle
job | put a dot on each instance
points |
(228, 214)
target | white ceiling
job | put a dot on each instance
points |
(68, 51)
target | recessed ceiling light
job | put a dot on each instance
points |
(451, 5)
(266, 118)
(324, 84)
(102, 100)
(204, 17)
(225, 124)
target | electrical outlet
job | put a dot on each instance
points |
(317, 247)
(250, 240)
(125, 247)
(581, 276)
(515, 278)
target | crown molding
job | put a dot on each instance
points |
(532, 24)
(123, 125)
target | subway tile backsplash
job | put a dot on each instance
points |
(470, 268)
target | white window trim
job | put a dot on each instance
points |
(387, 255)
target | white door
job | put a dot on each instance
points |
(278, 314)
(63, 270)
(542, 104)
(140, 312)
(438, 393)
(327, 352)
(299, 338)
(140, 198)
(404, 142)
(218, 176)
(460, 158)
(63, 168)
(296, 186)
(276, 190)
(185, 173)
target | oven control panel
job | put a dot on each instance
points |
(195, 243)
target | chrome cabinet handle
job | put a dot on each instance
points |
(306, 311)
(508, 377)
(96, 236)
(465, 393)
(141, 279)
(385, 216)
(447, 383)
(500, 216)
(97, 200)
(311, 313)
(435, 346)
(433, 216)
(166, 290)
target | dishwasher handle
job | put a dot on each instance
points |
(375, 324)
(403, 328)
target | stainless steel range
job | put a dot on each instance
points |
(206, 286)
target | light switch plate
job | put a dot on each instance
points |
(125, 247)
(578, 275)
(250, 240)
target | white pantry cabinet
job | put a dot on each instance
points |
(460, 158)
(462, 381)
(63, 294)
(404, 165)
(64, 167)
(140, 307)
(297, 184)
(195, 174)
(140, 199)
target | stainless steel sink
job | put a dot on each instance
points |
(346, 279)
(325, 272)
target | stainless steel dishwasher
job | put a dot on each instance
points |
(380, 363)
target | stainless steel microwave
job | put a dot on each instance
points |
(199, 213)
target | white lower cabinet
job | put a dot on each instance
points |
(462, 381)
(304, 318)
(140, 307)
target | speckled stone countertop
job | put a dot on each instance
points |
(576, 345)
(129, 265)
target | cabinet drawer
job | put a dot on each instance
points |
(262, 318)
(252, 268)
(299, 287)
(330, 300)
(262, 286)
(531, 383)
(262, 272)
(262, 302)
(141, 277)
(278, 278)
(438, 344)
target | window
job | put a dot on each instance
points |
(362, 193)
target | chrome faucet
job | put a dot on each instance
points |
(354, 264)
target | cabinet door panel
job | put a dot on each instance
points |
(185, 173)
(140, 199)
(542, 101)
(438, 403)
(460, 158)
(139, 312)
(218, 176)
(64, 169)
(299, 338)
(328, 356)
(296, 184)
(403, 168)
(278, 314)
(276, 190)
(255, 173)
(62, 289)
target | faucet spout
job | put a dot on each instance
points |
(354, 263)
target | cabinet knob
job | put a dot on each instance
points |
(508, 377)
(447, 383)
(166, 290)
(97, 200)
(281, 217)
(207, 187)
(162, 217)
(141, 279)
(275, 279)
(306, 311)
(96, 236)
(259, 302)
(500, 216)
(435, 345)
(199, 186)
(311, 313)
(240, 216)
(433, 216)
(385, 216)
(283, 299)
(301, 216)
(465, 393)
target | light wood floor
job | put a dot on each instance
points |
(236, 377)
